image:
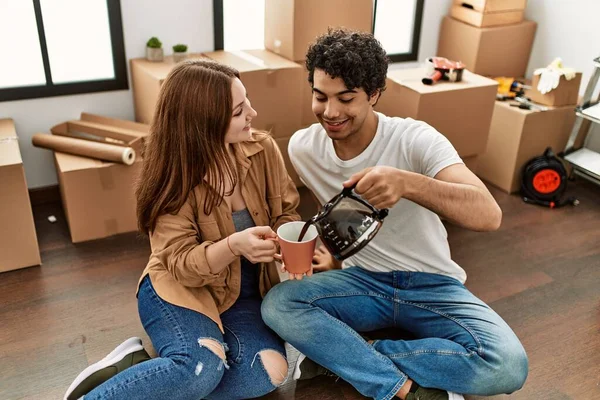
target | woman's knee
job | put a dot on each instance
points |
(201, 368)
(275, 365)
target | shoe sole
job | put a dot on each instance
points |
(116, 356)
(297, 373)
(129, 343)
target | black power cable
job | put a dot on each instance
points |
(544, 181)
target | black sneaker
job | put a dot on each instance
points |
(433, 394)
(307, 369)
(125, 355)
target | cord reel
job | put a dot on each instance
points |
(544, 181)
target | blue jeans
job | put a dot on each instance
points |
(184, 369)
(461, 344)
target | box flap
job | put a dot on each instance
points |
(69, 162)
(239, 60)
(9, 143)
(411, 78)
(135, 126)
(271, 60)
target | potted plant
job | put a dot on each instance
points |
(179, 52)
(154, 51)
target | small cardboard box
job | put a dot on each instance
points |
(490, 6)
(461, 111)
(18, 241)
(98, 197)
(274, 86)
(283, 147)
(292, 25)
(566, 94)
(517, 136)
(480, 19)
(495, 51)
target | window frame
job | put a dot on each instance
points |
(397, 57)
(119, 82)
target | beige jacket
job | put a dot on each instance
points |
(178, 268)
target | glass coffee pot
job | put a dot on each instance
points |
(347, 223)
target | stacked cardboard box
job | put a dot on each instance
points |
(98, 196)
(462, 111)
(485, 13)
(489, 36)
(292, 25)
(18, 240)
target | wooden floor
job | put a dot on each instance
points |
(540, 271)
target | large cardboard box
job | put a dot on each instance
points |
(98, 197)
(308, 117)
(517, 136)
(283, 145)
(565, 94)
(480, 19)
(292, 25)
(274, 86)
(462, 111)
(494, 51)
(18, 240)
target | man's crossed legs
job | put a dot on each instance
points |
(462, 345)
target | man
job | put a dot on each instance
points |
(405, 276)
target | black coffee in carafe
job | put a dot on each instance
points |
(346, 224)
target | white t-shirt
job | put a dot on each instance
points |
(412, 238)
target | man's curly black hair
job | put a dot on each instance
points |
(357, 57)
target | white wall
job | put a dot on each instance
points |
(566, 29)
(175, 21)
(433, 12)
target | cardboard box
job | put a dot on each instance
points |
(565, 94)
(98, 197)
(308, 117)
(471, 162)
(517, 136)
(274, 86)
(481, 19)
(462, 111)
(495, 51)
(292, 25)
(490, 6)
(283, 145)
(18, 241)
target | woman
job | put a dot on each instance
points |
(210, 196)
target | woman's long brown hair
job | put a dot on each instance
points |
(187, 141)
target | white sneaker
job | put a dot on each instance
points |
(455, 396)
(115, 362)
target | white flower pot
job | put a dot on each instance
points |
(154, 54)
(177, 57)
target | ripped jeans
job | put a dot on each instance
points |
(187, 370)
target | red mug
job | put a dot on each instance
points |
(297, 256)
